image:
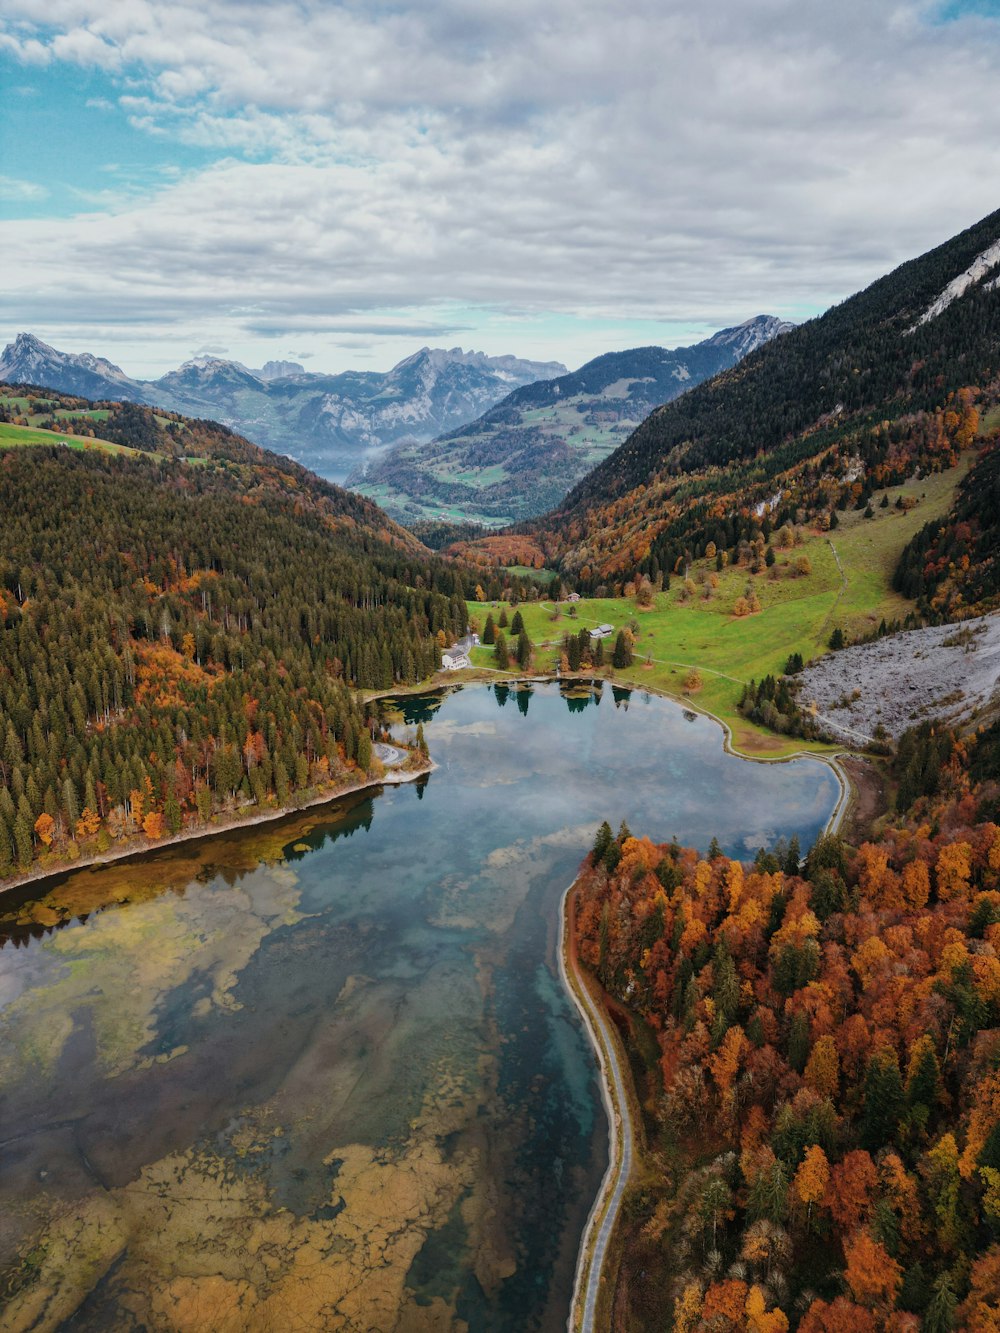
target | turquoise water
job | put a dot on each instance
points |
(322, 1072)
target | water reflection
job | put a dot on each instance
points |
(321, 1071)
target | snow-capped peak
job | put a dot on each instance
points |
(29, 360)
(752, 333)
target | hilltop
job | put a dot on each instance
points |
(188, 623)
(331, 423)
(878, 387)
(522, 456)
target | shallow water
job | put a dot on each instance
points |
(322, 1073)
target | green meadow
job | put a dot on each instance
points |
(699, 631)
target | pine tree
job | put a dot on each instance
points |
(23, 842)
(489, 630)
(364, 751)
(523, 649)
(623, 654)
(500, 652)
(939, 1316)
(172, 812)
(883, 1101)
(7, 849)
(516, 625)
(793, 856)
(602, 842)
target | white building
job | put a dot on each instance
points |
(454, 661)
(602, 632)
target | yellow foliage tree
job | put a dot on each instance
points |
(822, 1071)
(953, 869)
(812, 1178)
(44, 827)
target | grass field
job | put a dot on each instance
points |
(29, 435)
(539, 575)
(20, 437)
(798, 613)
(92, 414)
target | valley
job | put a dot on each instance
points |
(330, 423)
(693, 627)
(320, 1063)
(523, 455)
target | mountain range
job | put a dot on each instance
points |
(523, 454)
(875, 388)
(331, 423)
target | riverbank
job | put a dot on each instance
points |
(142, 846)
(593, 1287)
(602, 1245)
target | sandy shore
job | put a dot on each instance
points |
(145, 846)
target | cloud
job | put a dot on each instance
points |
(84, 47)
(12, 188)
(210, 349)
(369, 328)
(667, 162)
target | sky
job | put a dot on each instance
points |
(340, 183)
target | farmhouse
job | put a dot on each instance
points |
(602, 632)
(457, 655)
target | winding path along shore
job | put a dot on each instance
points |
(621, 1135)
(604, 1213)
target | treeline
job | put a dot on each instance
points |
(859, 355)
(178, 638)
(819, 418)
(951, 566)
(822, 1066)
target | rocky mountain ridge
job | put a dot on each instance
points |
(522, 455)
(331, 423)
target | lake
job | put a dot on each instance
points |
(321, 1072)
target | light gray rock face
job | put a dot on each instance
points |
(944, 673)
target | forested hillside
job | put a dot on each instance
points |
(827, 407)
(520, 458)
(184, 636)
(952, 567)
(821, 1065)
(331, 423)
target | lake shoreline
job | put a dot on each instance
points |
(136, 846)
(622, 1139)
(616, 1092)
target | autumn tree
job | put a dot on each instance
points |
(812, 1179)
(44, 828)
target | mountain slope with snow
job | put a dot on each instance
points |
(331, 423)
(520, 457)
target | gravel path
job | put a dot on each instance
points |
(604, 1213)
(944, 672)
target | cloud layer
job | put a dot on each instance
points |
(689, 165)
